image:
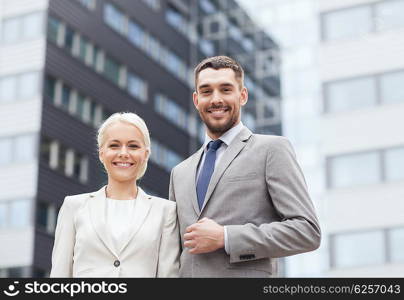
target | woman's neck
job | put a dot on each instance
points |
(121, 190)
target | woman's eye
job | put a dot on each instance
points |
(114, 145)
(133, 146)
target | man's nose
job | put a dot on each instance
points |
(216, 98)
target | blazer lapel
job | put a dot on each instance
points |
(98, 215)
(192, 179)
(142, 208)
(232, 151)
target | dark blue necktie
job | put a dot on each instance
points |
(207, 171)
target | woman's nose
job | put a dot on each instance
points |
(123, 151)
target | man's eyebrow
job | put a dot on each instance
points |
(203, 86)
(227, 84)
(221, 85)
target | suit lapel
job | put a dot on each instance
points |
(192, 179)
(232, 151)
(98, 215)
(142, 208)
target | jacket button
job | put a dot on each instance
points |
(117, 263)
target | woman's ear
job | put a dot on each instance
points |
(100, 155)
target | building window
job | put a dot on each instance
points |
(154, 48)
(6, 150)
(235, 32)
(136, 35)
(207, 6)
(15, 213)
(360, 20)
(84, 48)
(386, 165)
(137, 87)
(396, 238)
(3, 214)
(73, 102)
(24, 148)
(66, 92)
(350, 94)
(114, 18)
(248, 44)
(359, 249)
(46, 217)
(17, 149)
(177, 20)
(32, 26)
(163, 156)
(389, 15)
(69, 39)
(11, 30)
(20, 213)
(149, 45)
(248, 120)
(394, 164)
(344, 95)
(8, 88)
(207, 47)
(89, 4)
(112, 69)
(22, 28)
(171, 111)
(54, 26)
(154, 4)
(391, 85)
(65, 160)
(354, 169)
(28, 85)
(19, 87)
(347, 23)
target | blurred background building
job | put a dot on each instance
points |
(65, 66)
(343, 106)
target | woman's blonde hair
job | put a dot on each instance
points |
(132, 119)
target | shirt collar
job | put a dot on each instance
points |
(227, 137)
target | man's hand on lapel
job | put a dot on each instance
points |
(204, 236)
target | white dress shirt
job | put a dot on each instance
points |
(119, 216)
(227, 138)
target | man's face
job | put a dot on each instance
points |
(218, 99)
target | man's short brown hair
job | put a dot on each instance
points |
(220, 62)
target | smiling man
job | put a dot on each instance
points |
(241, 198)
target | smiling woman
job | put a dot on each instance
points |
(118, 231)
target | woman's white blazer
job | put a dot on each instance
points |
(84, 246)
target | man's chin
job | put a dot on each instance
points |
(218, 128)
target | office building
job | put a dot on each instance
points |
(65, 66)
(343, 102)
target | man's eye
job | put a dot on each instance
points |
(206, 92)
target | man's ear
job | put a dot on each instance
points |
(195, 99)
(244, 96)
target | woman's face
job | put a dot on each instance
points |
(123, 152)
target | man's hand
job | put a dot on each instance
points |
(204, 236)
